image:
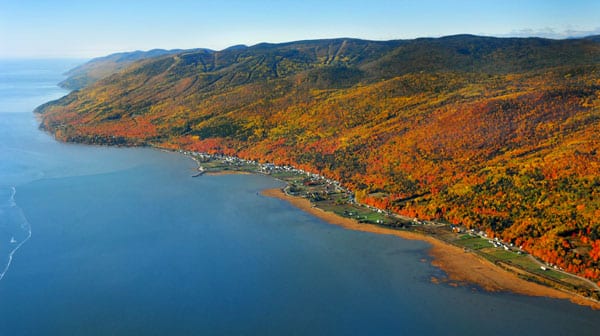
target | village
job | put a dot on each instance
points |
(329, 195)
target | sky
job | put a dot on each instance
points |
(85, 29)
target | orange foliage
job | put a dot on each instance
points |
(514, 154)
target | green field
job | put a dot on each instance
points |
(473, 243)
(531, 266)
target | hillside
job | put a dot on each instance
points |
(497, 134)
(98, 68)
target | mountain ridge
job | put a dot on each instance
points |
(124, 59)
(498, 134)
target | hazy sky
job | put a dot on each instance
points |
(66, 28)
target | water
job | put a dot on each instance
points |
(115, 241)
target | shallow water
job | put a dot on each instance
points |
(125, 242)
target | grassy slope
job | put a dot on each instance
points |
(498, 134)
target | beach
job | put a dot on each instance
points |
(462, 268)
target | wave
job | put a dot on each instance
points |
(15, 230)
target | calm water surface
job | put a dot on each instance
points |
(113, 241)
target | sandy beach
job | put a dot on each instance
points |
(462, 268)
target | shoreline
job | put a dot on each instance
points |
(462, 268)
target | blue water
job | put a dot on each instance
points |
(117, 241)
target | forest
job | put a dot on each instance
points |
(497, 134)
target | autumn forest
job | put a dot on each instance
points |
(497, 134)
